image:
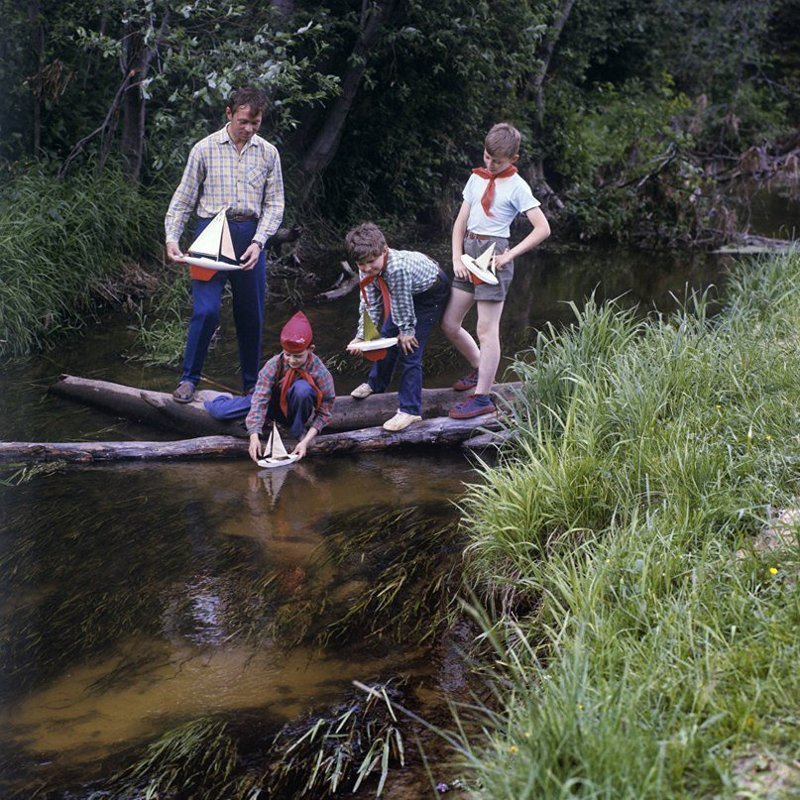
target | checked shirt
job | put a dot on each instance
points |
(407, 273)
(217, 176)
(268, 379)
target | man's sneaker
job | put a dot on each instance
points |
(400, 421)
(475, 406)
(469, 381)
(184, 392)
(362, 392)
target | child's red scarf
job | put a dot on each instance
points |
(488, 194)
(290, 375)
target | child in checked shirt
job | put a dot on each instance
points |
(404, 293)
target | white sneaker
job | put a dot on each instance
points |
(362, 392)
(400, 421)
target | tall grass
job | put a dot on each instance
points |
(649, 648)
(59, 240)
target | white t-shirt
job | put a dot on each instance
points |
(512, 196)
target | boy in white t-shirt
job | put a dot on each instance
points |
(492, 199)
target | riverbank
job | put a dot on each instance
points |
(647, 644)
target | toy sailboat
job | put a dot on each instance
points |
(213, 244)
(275, 454)
(374, 346)
(481, 269)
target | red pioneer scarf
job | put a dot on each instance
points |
(488, 194)
(364, 282)
(290, 376)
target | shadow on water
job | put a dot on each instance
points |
(137, 597)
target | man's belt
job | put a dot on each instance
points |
(240, 217)
(481, 236)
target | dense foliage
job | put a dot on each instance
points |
(380, 107)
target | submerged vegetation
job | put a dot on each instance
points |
(648, 638)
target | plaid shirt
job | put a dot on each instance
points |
(268, 381)
(407, 273)
(217, 175)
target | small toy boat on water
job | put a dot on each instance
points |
(275, 453)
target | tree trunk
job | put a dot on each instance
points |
(437, 431)
(324, 146)
(537, 82)
(136, 63)
(160, 410)
(37, 42)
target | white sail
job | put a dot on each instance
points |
(484, 260)
(277, 449)
(226, 245)
(209, 242)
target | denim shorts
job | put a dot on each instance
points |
(486, 291)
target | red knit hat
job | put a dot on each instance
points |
(296, 335)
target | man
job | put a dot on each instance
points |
(236, 169)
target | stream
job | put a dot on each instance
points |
(138, 596)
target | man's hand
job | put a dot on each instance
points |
(353, 350)
(174, 252)
(255, 447)
(250, 256)
(408, 342)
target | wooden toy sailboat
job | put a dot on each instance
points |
(213, 244)
(374, 345)
(481, 269)
(275, 454)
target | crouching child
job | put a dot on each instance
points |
(294, 388)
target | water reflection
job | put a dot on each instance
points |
(134, 595)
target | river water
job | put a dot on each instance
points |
(138, 596)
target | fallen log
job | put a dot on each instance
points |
(159, 408)
(437, 431)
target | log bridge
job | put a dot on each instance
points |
(354, 427)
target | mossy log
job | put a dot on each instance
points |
(160, 410)
(436, 431)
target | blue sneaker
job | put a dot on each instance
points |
(475, 406)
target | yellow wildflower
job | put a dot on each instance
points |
(773, 570)
(513, 749)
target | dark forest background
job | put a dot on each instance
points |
(637, 115)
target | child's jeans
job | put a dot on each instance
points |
(428, 307)
(299, 405)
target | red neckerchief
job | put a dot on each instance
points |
(488, 194)
(292, 374)
(364, 282)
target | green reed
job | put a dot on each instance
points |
(61, 240)
(648, 645)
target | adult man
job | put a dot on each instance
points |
(236, 169)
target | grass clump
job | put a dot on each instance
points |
(62, 240)
(647, 643)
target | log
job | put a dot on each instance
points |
(437, 431)
(160, 410)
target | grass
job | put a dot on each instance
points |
(61, 241)
(646, 646)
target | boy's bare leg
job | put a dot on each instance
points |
(489, 313)
(457, 307)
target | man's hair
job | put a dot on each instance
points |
(248, 96)
(503, 140)
(365, 242)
